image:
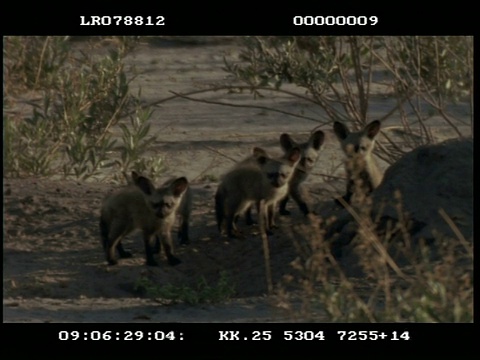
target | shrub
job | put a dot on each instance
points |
(84, 94)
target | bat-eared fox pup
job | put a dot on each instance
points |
(259, 177)
(153, 210)
(363, 175)
(310, 151)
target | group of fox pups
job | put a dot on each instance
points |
(259, 181)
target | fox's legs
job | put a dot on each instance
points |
(283, 206)
(122, 252)
(149, 241)
(183, 231)
(111, 237)
(298, 194)
(167, 244)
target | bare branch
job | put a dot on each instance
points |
(244, 106)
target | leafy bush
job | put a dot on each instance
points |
(33, 62)
(338, 73)
(83, 96)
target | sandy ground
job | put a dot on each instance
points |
(54, 267)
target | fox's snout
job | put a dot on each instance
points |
(276, 180)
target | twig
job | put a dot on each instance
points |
(266, 250)
(345, 281)
(41, 60)
(455, 229)
(226, 87)
(373, 238)
(209, 167)
(329, 176)
(113, 120)
(244, 106)
(220, 153)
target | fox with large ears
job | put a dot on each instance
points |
(363, 174)
(183, 210)
(142, 206)
(310, 151)
(259, 177)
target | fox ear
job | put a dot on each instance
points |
(340, 130)
(372, 129)
(179, 186)
(317, 139)
(260, 155)
(258, 152)
(286, 142)
(143, 183)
